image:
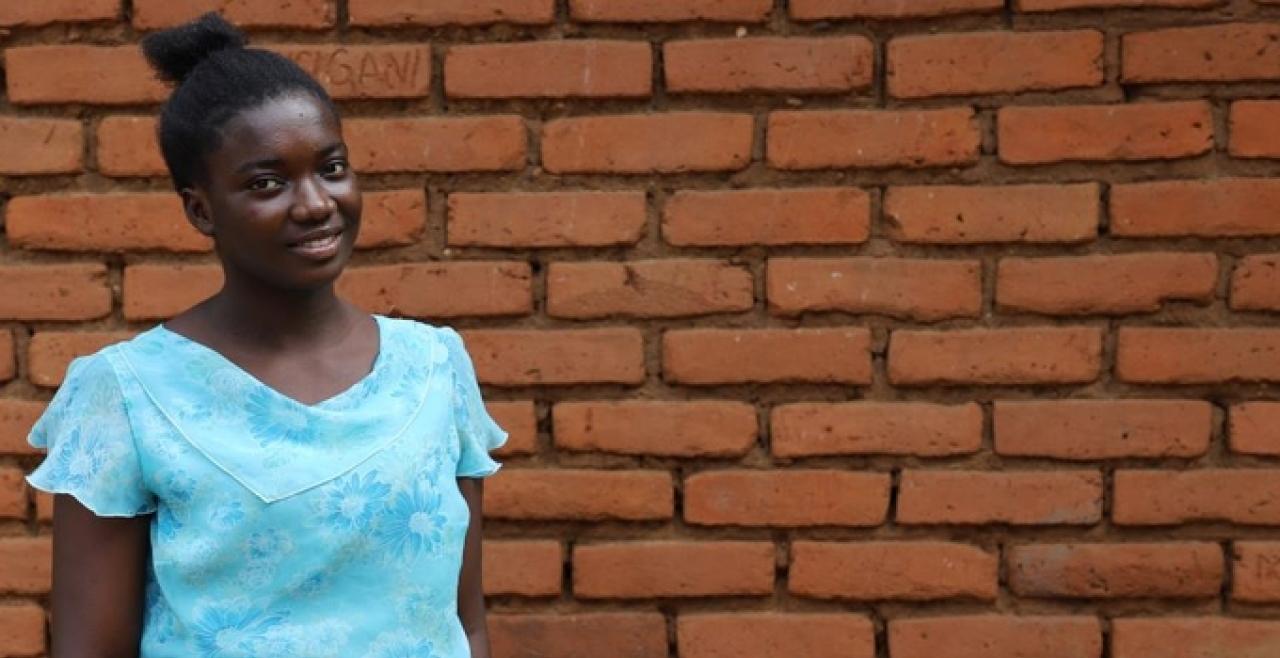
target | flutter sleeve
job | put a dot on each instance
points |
(477, 431)
(92, 455)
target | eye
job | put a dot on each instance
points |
(265, 184)
(335, 168)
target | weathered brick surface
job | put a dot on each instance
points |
(938, 570)
(1117, 570)
(975, 214)
(30, 147)
(992, 636)
(1132, 131)
(668, 429)
(1087, 430)
(977, 292)
(835, 139)
(770, 64)
(993, 63)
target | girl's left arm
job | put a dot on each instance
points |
(470, 583)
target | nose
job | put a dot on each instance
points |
(312, 203)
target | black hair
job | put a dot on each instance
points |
(216, 77)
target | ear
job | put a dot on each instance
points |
(196, 206)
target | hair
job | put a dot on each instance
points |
(216, 77)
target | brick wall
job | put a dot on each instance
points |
(856, 328)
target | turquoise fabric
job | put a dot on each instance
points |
(279, 528)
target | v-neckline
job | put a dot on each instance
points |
(364, 380)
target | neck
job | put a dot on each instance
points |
(273, 318)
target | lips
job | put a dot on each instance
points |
(318, 245)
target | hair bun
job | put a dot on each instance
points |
(175, 52)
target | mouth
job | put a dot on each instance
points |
(321, 247)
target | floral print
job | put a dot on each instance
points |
(281, 529)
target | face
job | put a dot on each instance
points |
(280, 199)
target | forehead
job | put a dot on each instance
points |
(291, 125)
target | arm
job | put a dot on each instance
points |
(99, 573)
(470, 584)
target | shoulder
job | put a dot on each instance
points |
(419, 335)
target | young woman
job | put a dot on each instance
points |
(272, 473)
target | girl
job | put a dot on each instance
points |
(272, 473)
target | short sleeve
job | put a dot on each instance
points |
(92, 455)
(477, 431)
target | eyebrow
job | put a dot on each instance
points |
(274, 162)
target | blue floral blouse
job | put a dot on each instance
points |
(281, 529)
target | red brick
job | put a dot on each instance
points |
(392, 218)
(25, 565)
(670, 11)
(1253, 130)
(648, 288)
(404, 13)
(473, 289)
(834, 215)
(1220, 207)
(667, 143)
(993, 63)
(26, 14)
(1132, 131)
(548, 219)
(22, 629)
(1254, 428)
(1070, 497)
(530, 567)
(972, 214)
(1239, 496)
(13, 494)
(791, 498)
(30, 146)
(904, 570)
(1154, 355)
(50, 352)
(1204, 53)
(814, 10)
(1088, 430)
(919, 289)
(834, 139)
(1110, 283)
(102, 222)
(44, 507)
(8, 362)
(96, 75)
(1060, 5)
(70, 291)
(742, 356)
(365, 72)
(993, 636)
(671, 569)
(581, 68)
(128, 146)
(1023, 355)
(922, 429)
(1254, 281)
(16, 420)
(1106, 571)
(520, 420)
(1198, 637)
(776, 64)
(586, 635)
(517, 357)
(306, 14)
(437, 144)
(701, 428)
(154, 292)
(1255, 571)
(579, 495)
(775, 635)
